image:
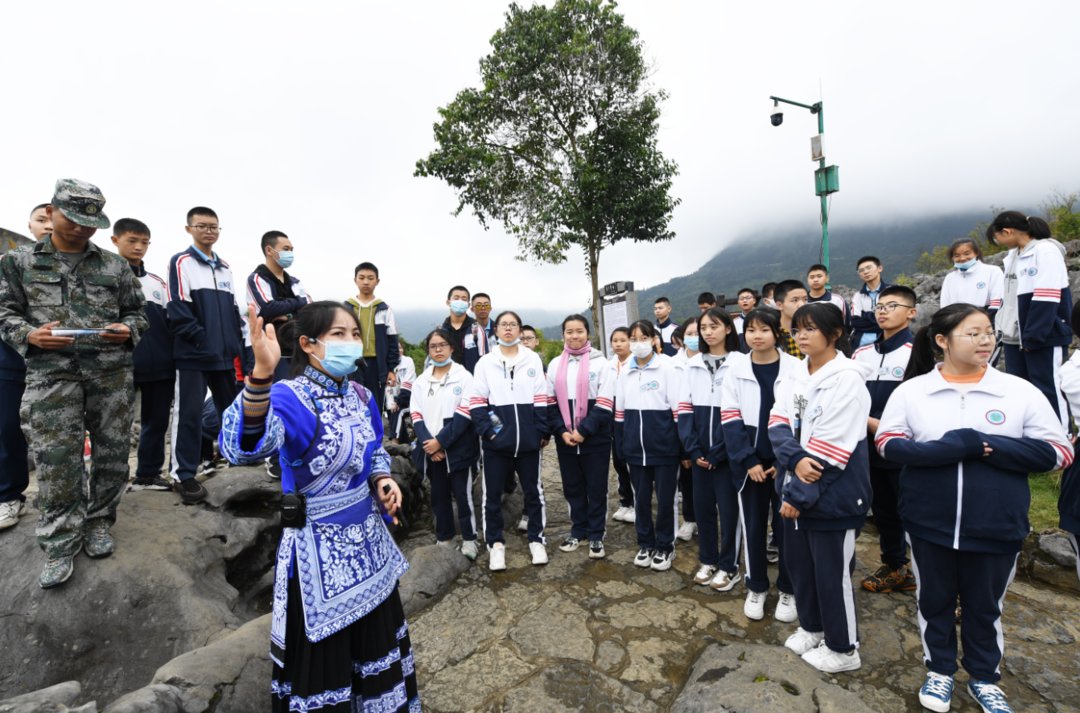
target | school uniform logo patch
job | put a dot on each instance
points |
(592, 376)
(981, 286)
(457, 391)
(650, 386)
(224, 285)
(995, 417)
(532, 373)
(898, 372)
(1033, 271)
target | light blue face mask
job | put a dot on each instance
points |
(442, 363)
(509, 344)
(285, 259)
(692, 343)
(965, 266)
(459, 307)
(340, 359)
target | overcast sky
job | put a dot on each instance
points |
(309, 117)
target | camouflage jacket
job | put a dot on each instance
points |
(37, 287)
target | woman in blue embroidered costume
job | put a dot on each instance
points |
(338, 637)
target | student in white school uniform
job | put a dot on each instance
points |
(446, 444)
(581, 399)
(509, 410)
(618, 365)
(646, 413)
(700, 428)
(1069, 497)
(967, 436)
(686, 340)
(818, 431)
(973, 281)
(747, 397)
(398, 395)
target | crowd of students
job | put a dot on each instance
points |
(777, 428)
(800, 414)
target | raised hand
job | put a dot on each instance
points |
(264, 345)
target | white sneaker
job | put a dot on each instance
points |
(10, 512)
(469, 549)
(686, 531)
(754, 607)
(704, 574)
(569, 544)
(724, 581)
(631, 516)
(596, 550)
(523, 524)
(643, 558)
(497, 557)
(620, 513)
(661, 561)
(802, 640)
(826, 660)
(539, 553)
(785, 609)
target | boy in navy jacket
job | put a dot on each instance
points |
(888, 358)
(155, 373)
(277, 294)
(206, 326)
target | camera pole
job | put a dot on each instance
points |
(826, 178)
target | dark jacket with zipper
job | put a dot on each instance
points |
(203, 316)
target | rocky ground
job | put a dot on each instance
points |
(603, 635)
(175, 621)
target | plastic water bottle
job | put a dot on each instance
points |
(495, 421)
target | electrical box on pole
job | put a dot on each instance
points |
(827, 180)
(618, 308)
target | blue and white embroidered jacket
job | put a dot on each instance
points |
(740, 406)
(203, 315)
(981, 285)
(647, 412)
(823, 416)
(950, 493)
(448, 420)
(888, 360)
(596, 424)
(1039, 315)
(699, 409)
(514, 390)
(1069, 498)
(330, 444)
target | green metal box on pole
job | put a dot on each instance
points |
(826, 180)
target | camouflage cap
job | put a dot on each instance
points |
(80, 202)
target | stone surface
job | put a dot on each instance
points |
(754, 678)
(1048, 557)
(59, 698)
(431, 569)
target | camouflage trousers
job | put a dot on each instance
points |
(55, 413)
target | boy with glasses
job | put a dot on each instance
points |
(864, 326)
(207, 339)
(888, 358)
(481, 338)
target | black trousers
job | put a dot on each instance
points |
(664, 478)
(886, 485)
(626, 486)
(154, 410)
(14, 467)
(498, 467)
(190, 393)
(754, 506)
(444, 486)
(585, 487)
(977, 580)
(686, 487)
(820, 563)
(717, 504)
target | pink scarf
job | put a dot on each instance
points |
(581, 395)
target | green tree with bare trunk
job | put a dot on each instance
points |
(559, 143)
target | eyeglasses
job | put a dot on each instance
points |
(868, 268)
(978, 338)
(808, 331)
(437, 346)
(204, 228)
(482, 305)
(528, 338)
(507, 325)
(883, 308)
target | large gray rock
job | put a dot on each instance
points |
(1049, 557)
(431, 570)
(755, 678)
(165, 591)
(54, 699)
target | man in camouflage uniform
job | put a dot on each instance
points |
(74, 384)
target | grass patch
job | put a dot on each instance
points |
(1045, 488)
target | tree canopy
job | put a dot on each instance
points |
(559, 144)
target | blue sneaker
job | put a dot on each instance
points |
(936, 692)
(989, 697)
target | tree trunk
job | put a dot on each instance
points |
(593, 256)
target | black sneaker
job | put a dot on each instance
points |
(191, 491)
(150, 483)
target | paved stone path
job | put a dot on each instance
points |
(603, 635)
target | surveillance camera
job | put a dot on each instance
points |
(777, 118)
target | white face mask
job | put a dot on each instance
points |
(641, 349)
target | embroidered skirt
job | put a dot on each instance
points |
(367, 666)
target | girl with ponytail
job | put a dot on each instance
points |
(581, 399)
(967, 436)
(1034, 316)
